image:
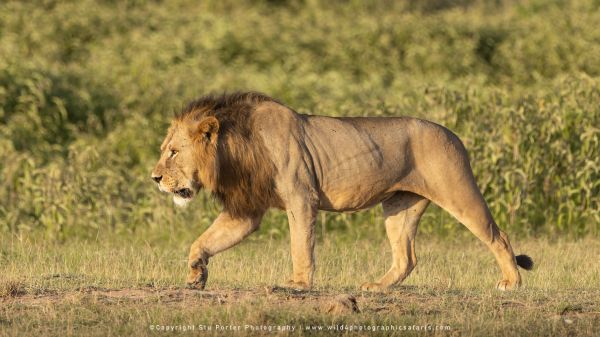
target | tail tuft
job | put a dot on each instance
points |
(524, 262)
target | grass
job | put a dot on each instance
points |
(87, 88)
(118, 287)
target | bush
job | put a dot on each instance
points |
(87, 89)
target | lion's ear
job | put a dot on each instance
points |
(208, 129)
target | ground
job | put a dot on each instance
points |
(103, 288)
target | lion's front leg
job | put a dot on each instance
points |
(198, 270)
(225, 232)
(301, 217)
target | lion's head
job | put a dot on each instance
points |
(212, 144)
(188, 158)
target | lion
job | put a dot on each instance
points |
(252, 153)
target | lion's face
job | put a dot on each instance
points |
(187, 160)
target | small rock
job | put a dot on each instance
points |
(342, 304)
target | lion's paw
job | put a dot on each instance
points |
(505, 285)
(197, 277)
(297, 285)
(373, 286)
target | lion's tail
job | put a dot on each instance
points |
(524, 262)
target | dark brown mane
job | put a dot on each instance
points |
(212, 104)
(244, 181)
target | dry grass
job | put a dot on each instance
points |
(103, 288)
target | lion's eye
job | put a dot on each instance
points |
(172, 154)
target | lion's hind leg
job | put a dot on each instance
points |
(451, 185)
(402, 213)
(468, 206)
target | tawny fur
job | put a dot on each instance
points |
(252, 153)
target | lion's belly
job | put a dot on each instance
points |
(350, 190)
(349, 201)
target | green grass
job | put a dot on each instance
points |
(118, 287)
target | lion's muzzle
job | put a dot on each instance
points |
(185, 193)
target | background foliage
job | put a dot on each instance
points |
(87, 89)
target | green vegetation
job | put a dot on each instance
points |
(87, 89)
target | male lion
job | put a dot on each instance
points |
(252, 153)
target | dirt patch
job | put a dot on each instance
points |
(405, 301)
(319, 301)
(280, 296)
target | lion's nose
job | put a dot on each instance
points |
(157, 178)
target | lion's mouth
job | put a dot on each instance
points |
(185, 193)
